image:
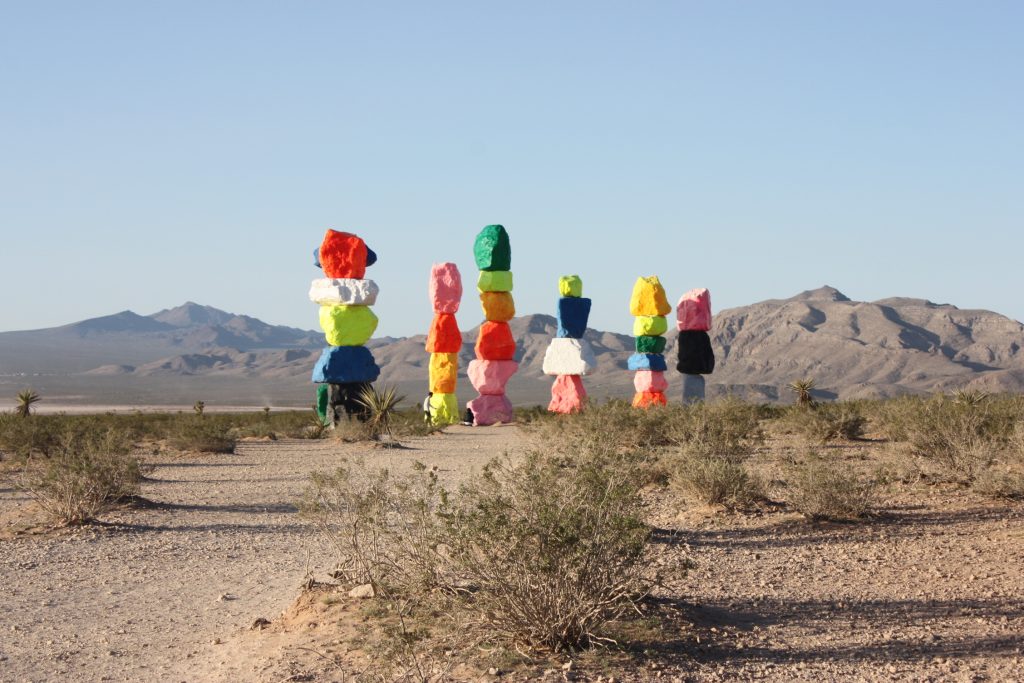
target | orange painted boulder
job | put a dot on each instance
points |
(646, 399)
(567, 394)
(443, 372)
(343, 255)
(495, 342)
(498, 306)
(444, 335)
(649, 297)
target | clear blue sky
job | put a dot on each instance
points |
(153, 153)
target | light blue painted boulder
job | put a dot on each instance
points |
(647, 361)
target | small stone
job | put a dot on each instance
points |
(364, 591)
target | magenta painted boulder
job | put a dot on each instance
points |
(693, 312)
(445, 288)
(650, 381)
(489, 377)
(491, 409)
(567, 394)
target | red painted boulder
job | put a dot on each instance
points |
(489, 377)
(445, 288)
(491, 409)
(693, 312)
(495, 342)
(343, 255)
(444, 335)
(567, 394)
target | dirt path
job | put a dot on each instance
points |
(144, 596)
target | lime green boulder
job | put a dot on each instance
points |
(494, 281)
(650, 344)
(570, 285)
(444, 409)
(492, 250)
(650, 325)
(347, 325)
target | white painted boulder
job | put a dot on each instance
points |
(343, 292)
(567, 356)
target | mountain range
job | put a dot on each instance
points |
(851, 349)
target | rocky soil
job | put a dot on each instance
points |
(928, 590)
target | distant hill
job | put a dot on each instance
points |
(850, 349)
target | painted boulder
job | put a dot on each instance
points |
(491, 376)
(567, 394)
(568, 356)
(495, 342)
(343, 255)
(650, 380)
(498, 306)
(649, 298)
(570, 285)
(573, 314)
(491, 409)
(650, 325)
(343, 292)
(443, 372)
(444, 335)
(696, 357)
(345, 364)
(646, 399)
(492, 250)
(693, 312)
(494, 281)
(445, 288)
(650, 344)
(647, 361)
(444, 409)
(347, 325)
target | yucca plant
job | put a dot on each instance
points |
(381, 407)
(802, 388)
(969, 397)
(26, 399)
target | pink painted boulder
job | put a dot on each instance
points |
(445, 288)
(567, 394)
(491, 409)
(693, 312)
(650, 381)
(489, 377)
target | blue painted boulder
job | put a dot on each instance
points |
(647, 361)
(573, 313)
(345, 365)
(316, 257)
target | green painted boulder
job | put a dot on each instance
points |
(492, 250)
(650, 344)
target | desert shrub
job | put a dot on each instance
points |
(819, 488)
(1000, 482)
(716, 480)
(727, 428)
(824, 422)
(204, 434)
(541, 553)
(88, 471)
(21, 438)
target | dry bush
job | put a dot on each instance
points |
(542, 554)
(85, 474)
(824, 422)
(204, 434)
(716, 480)
(820, 488)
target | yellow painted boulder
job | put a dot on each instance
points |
(498, 306)
(649, 297)
(444, 409)
(650, 325)
(347, 325)
(444, 369)
(570, 285)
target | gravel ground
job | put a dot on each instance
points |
(145, 595)
(930, 590)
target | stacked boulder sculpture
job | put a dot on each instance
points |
(444, 341)
(649, 306)
(495, 347)
(696, 358)
(569, 356)
(346, 367)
